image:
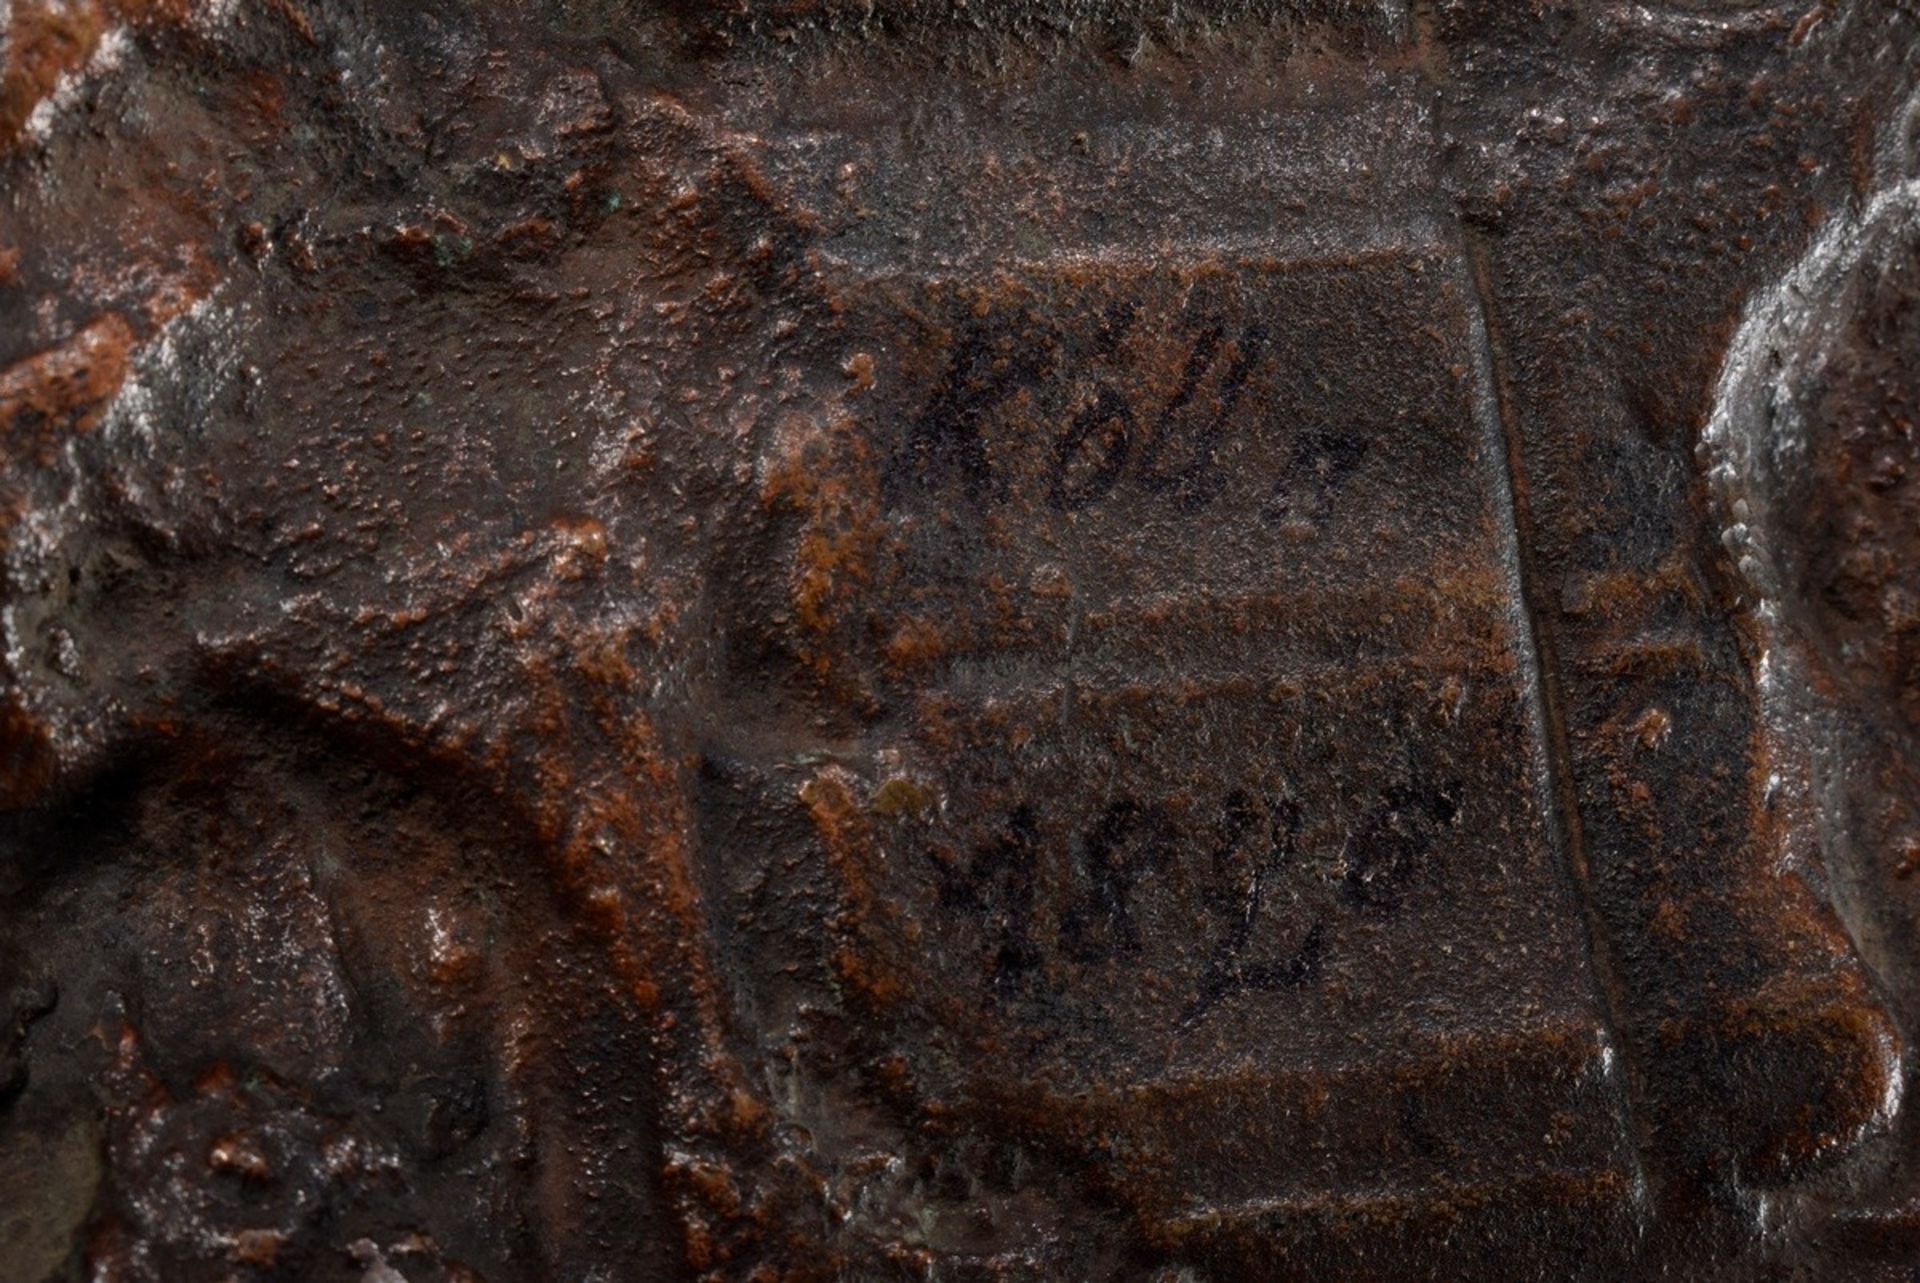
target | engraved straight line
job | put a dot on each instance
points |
(1420, 1062)
(1493, 405)
(1038, 675)
(1571, 1185)
(1041, 671)
(1259, 252)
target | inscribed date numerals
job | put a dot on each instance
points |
(1240, 884)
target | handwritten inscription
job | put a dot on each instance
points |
(1223, 881)
(1178, 456)
(1154, 409)
(1104, 422)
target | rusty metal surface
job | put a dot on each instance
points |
(989, 640)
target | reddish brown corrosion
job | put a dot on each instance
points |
(886, 639)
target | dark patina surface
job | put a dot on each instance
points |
(959, 640)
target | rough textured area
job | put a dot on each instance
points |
(959, 640)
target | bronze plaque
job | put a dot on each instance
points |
(959, 640)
